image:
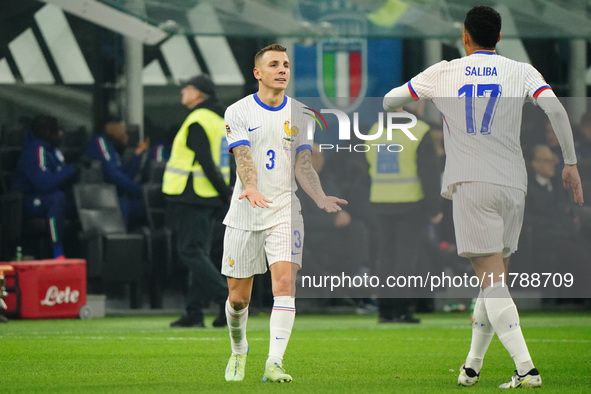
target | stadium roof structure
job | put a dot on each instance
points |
(438, 19)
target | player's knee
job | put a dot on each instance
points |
(282, 285)
(238, 302)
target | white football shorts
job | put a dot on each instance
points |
(487, 218)
(245, 251)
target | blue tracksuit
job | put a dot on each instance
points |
(159, 153)
(130, 192)
(40, 172)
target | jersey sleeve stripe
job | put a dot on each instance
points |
(540, 90)
(446, 124)
(414, 94)
(104, 150)
(303, 147)
(41, 158)
(238, 143)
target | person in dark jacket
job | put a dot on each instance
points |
(196, 184)
(41, 175)
(557, 244)
(107, 146)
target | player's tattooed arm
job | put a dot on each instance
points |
(245, 167)
(310, 182)
(247, 173)
(307, 176)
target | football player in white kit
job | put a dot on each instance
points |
(481, 97)
(264, 219)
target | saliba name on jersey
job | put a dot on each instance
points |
(481, 71)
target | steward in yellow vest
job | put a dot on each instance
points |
(196, 184)
(198, 170)
(409, 178)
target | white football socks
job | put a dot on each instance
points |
(503, 316)
(237, 327)
(281, 323)
(482, 333)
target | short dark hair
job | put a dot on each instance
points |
(272, 47)
(484, 26)
(44, 125)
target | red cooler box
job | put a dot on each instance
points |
(46, 288)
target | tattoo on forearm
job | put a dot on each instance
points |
(245, 167)
(304, 160)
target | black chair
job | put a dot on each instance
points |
(19, 229)
(11, 146)
(11, 222)
(156, 172)
(73, 144)
(91, 171)
(159, 240)
(8, 161)
(155, 203)
(112, 254)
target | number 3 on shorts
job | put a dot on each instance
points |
(298, 239)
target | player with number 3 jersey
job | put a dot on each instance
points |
(481, 98)
(274, 137)
(265, 132)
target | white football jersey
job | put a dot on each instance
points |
(275, 135)
(481, 98)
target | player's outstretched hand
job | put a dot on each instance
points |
(255, 198)
(330, 204)
(571, 178)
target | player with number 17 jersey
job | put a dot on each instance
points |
(492, 90)
(275, 135)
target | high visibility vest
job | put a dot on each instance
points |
(182, 159)
(394, 176)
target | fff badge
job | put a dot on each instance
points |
(342, 63)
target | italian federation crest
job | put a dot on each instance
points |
(342, 63)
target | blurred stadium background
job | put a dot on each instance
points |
(83, 60)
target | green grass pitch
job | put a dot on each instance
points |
(326, 354)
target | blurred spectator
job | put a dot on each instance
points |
(108, 146)
(41, 175)
(555, 239)
(583, 140)
(405, 195)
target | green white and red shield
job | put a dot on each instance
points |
(342, 66)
